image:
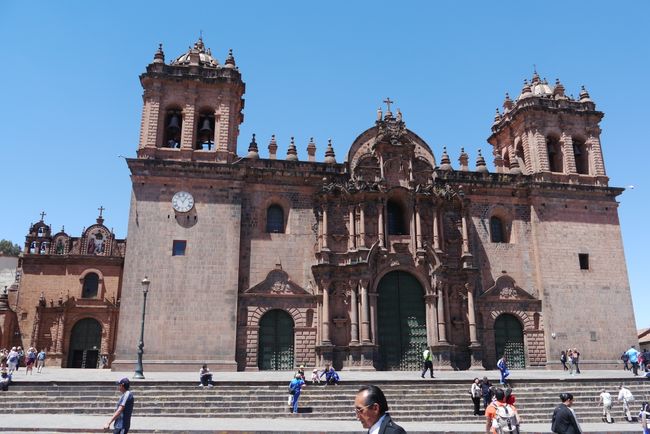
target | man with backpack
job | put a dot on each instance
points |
(294, 390)
(625, 395)
(428, 362)
(500, 417)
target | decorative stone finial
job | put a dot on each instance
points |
(535, 78)
(497, 117)
(330, 158)
(558, 90)
(584, 95)
(507, 103)
(311, 150)
(292, 152)
(445, 162)
(526, 91)
(159, 57)
(253, 152)
(230, 60)
(399, 115)
(498, 162)
(480, 163)
(379, 114)
(463, 160)
(273, 148)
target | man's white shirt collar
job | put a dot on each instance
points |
(375, 428)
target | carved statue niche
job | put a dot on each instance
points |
(367, 169)
(340, 314)
(422, 171)
(458, 315)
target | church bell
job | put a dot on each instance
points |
(205, 127)
(174, 125)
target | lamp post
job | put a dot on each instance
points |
(138, 367)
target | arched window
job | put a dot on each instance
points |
(581, 157)
(274, 219)
(45, 248)
(396, 219)
(173, 126)
(555, 162)
(41, 232)
(497, 230)
(90, 286)
(32, 247)
(205, 132)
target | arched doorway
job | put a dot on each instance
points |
(275, 350)
(85, 343)
(401, 322)
(509, 340)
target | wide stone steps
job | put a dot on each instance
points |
(423, 400)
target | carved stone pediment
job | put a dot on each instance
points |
(277, 282)
(505, 289)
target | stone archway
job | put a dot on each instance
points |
(401, 322)
(85, 344)
(509, 340)
(276, 341)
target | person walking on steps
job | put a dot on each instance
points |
(625, 395)
(501, 417)
(633, 356)
(124, 409)
(605, 399)
(427, 359)
(295, 386)
(502, 365)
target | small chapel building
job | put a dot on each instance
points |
(265, 262)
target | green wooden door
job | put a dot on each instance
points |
(275, 341)
(509, 340)
(85, 343)
(401, 322)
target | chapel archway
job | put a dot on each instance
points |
(509, 340)
(276, 336)
(401, 322)
(85, 344)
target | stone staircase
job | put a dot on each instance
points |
(424, 400)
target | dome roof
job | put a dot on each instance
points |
(197, 55)
(540, 87)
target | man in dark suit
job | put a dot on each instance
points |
(564, 419)
(372, 411)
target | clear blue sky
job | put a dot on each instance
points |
(71, 98)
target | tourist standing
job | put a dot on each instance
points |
(30, 359)
(486, 392)
(605, 399)
(12, 360)
(644, 417)
(564, 419)
(502, 365)
(576, 359)
(123, 410)
(625, 358)
(295, 386)
(427, 359)
(371, 408)
(633, 355)
(475, 393)
(40, 360)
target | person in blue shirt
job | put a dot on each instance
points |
(503, 369)
(331, 377)
(123, 410)
(295, 386)
(633, 355)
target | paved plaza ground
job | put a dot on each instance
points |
(294, 425)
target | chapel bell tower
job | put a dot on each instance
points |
(546, 133)
(192, 107)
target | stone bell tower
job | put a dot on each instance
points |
(192, 107)
(544, 132)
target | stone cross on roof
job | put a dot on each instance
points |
(388, 103)
(43, 215)
(101, 210)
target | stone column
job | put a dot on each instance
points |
(471, 315)
(418, 227)
(351, 229)
(593, 143)
(362, 226)
(354, 314)
(465, 233)
(325, 228)
(442, 326)
(432, 320)
(326, 314)
(373, 317)
(319, 221)
(365, 312)
(569, 156)
(542, 151)
(151, 133)
(436, 230)
(380, 223)
(217, 129)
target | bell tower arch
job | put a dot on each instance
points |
(192, 107)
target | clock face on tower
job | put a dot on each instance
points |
(182, 201)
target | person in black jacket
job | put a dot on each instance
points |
(372, 411)
(564, 419)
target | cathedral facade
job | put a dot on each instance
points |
(268, 262)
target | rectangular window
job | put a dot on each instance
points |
(584, 260)
(594, 336)
(178, 248)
